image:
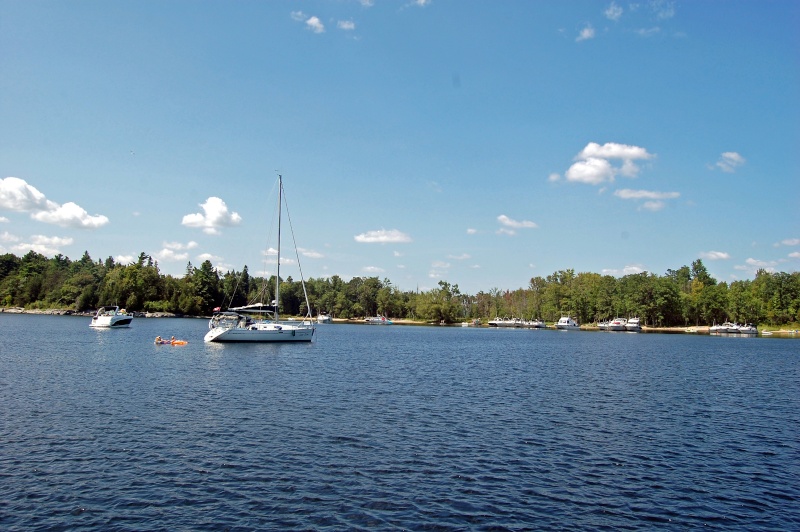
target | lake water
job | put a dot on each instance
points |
(375, 427)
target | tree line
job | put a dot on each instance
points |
(686, 296)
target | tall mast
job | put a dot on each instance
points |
(278, 276)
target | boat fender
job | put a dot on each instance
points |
(293, 333)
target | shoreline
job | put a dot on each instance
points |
(697, 329)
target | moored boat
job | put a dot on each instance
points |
(748, 328)
(633, 325)
(378, 320)
(110, 316)
(237, 324)
(566, 323)
(617, 324)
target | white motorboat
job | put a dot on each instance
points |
(506, 322)
(378, 320)
(535, 324)
(633, 325)
(566, 323)
(731, 328)
(324, 318)
(237, 324)
(110, 316)
(617, 324)
(748, 328)
(602, 325)
(718, 329)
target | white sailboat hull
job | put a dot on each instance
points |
(261, 334)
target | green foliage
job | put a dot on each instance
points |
(688, 295)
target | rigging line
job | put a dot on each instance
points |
(296, 253)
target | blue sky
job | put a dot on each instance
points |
(481, 143)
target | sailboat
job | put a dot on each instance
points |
(258, 322)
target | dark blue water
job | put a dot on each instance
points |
(395, 427)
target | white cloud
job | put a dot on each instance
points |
(795, 254)
(421, 3)
(367, 3)
(19, 196)
(299, 16)
(613, 11)
(124, 259)
(592, 171)
(627, 270)
(585, 34)
(648, 32)
(346, 25)
(46, 245)
(730, 161)
(506, 231)
(215, 215)
(508, 222)
(4, 220)
(627, 193)
(315, 25)
(311, 254)
(553, 177)
(714, 255)
(471, 231)
(383, 236)
(463, 256)
(791, 242)
(372, 269)
(177, 246)
(208, 256)
(653, 205)
(752, 265)
(440, 265)
(170, 255)
(5, 236)
(593, 164)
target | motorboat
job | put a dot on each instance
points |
(730, 328)
(535, 324)
(110, 316)
(506, 322)
(718, 329)
(378, 320)
(259, 322)
(566, 323)
(617, 324)
(748, 328)
(324, 318)
(602, 325)
(633, 325)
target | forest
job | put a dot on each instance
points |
(681, 297)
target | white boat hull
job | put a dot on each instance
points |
(261, 334)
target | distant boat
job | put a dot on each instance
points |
(602, 325)
(506, 322)
(535, 324)
(633, 325)
(237, 324)
(718, 329)
(748, 328)
(378, 320)
(110, 316)
(617, 324)
(324, 318)
(566, 323)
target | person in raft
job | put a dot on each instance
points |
(158, 339)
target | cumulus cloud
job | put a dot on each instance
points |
(514, 224)
(315, 24)
(17, 195)
(663, 9)
(752, 265)
(180, 246)
(383, 236)
(124, 259)
(585, 34)
(594, 166)
(613, 11)
(214, 216)
(791, 242)
(170, 255)
(372, 269)
(795, 254)
(627, 270)
(346, 25)
(714, 255)
(46, 245)
(729, 161)
(3, 220)
(5, 236)
(471, 231)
